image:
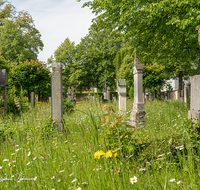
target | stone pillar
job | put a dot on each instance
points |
(108, 93)
(138, 112)
(56, 95)
(121, 86)
(194, 111)
(32, 99)
(186, 96)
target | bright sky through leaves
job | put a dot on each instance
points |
(57, 20)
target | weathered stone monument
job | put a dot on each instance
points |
(121, 88)
(105, 92)
(186, 95)
(194, 111)
(56, 95)
(108, 93)
(138, 113)
(32, 100)
(4, 84)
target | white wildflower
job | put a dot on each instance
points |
(5, 160)
(74, 180)
(171, 180)
(29, 153)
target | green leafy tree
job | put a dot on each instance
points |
(19, 39)
(90, 63)
(162, 30)
(32, 76)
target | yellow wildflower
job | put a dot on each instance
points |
(115, 155)
(98, 154)
(118, 172)
(109, 154)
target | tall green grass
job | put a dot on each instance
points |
(166, 149)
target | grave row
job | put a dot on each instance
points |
(137, 114)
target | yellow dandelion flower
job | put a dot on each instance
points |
(98, 154)
(109, 154)
(115, 155)
(118, 172)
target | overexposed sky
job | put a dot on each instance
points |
(56, 20)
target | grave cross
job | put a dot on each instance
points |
(135, 53)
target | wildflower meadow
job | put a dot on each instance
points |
(99, 149)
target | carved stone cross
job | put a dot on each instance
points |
(135, 53)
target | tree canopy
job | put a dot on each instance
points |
(162, 30)
(19, 39)
(32, 76)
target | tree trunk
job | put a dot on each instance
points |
(180, 76)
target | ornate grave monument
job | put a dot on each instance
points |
(138, 113)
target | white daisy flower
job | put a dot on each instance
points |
(133, 180)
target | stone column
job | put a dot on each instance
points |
(32, 99)
(138, 112)
(121, 86)
(56, 95)
(194, 111)
(186, 96)
(108, 93)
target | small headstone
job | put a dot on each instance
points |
(186, 95)
(32, 99)
(56, 95)
(121, 87)
(108, 93)
(194, 111)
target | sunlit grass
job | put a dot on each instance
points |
(98, 150)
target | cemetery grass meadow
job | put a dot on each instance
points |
(98, 150)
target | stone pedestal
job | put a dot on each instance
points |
(121, 87)
(56, 95)
(194, 111)
(138, 113)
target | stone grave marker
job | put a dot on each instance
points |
(194, 111)
(108, 93)
(4, 84)
(121, 88)
(32, 100)
(138, 113)
(105, 92)
(56, 95)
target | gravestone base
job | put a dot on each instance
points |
(195, 115)
(138, 117)
(58, 125)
